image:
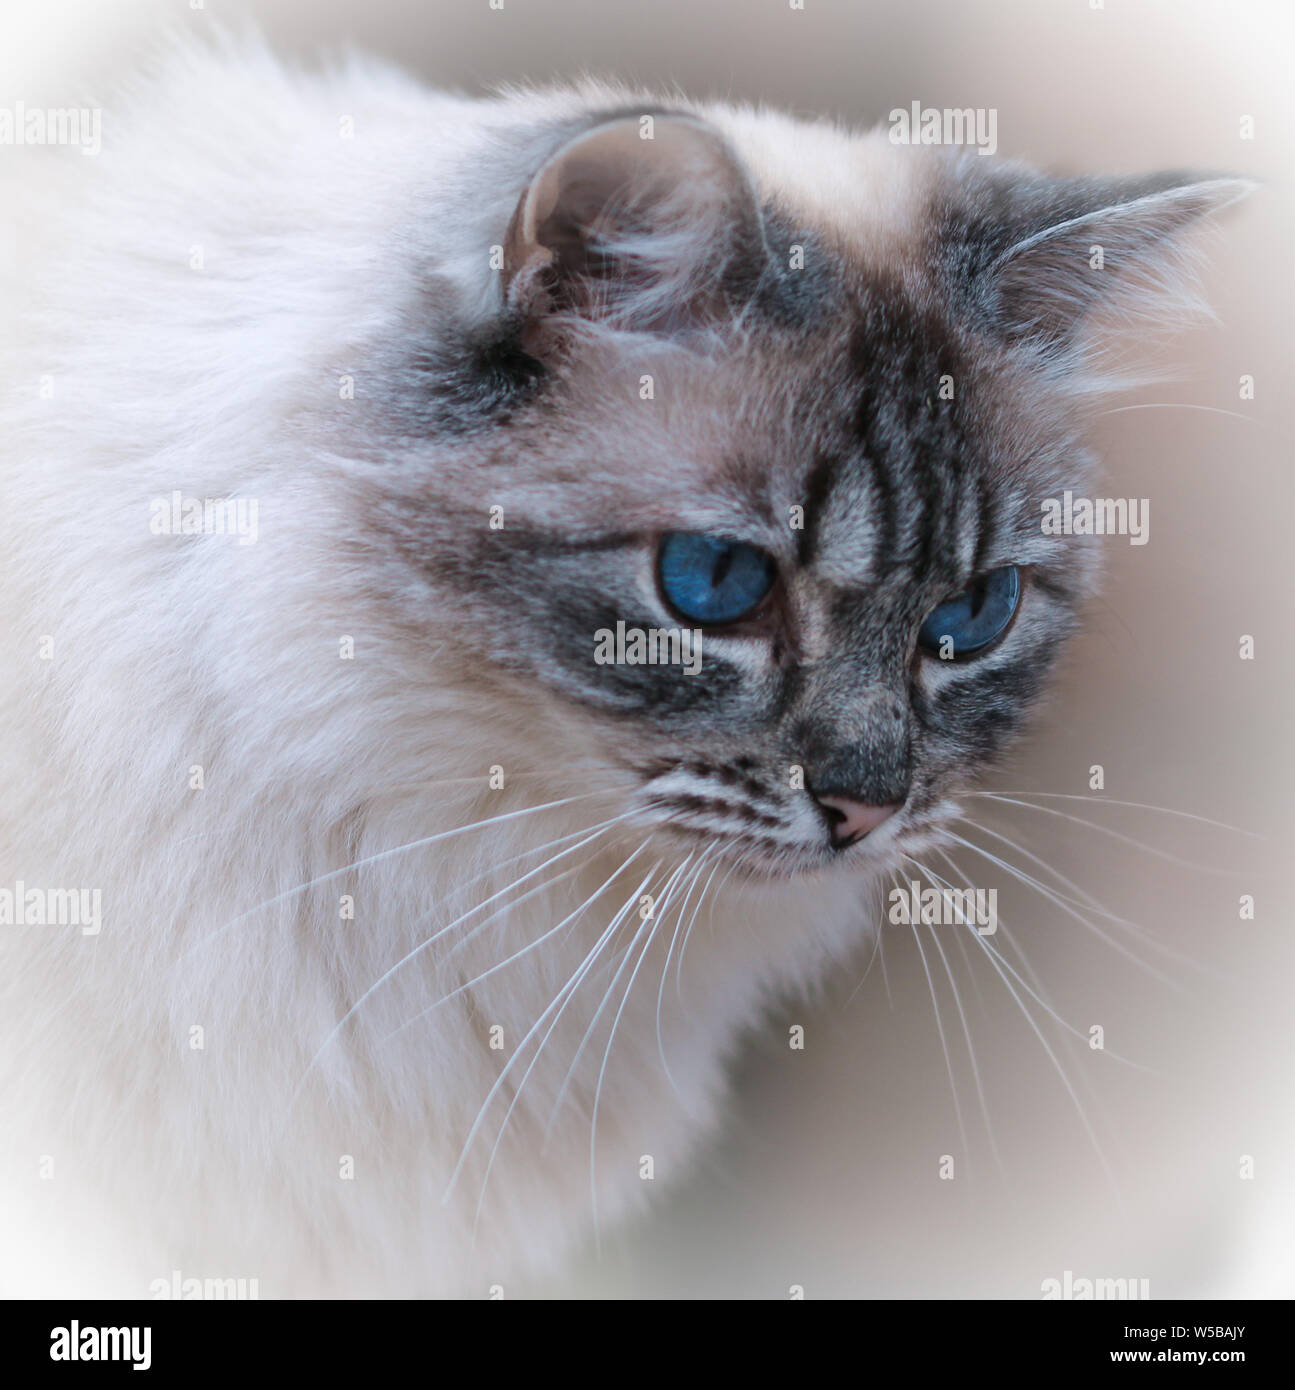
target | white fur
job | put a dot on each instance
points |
(224, 1161)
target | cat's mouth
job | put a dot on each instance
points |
(727, 812)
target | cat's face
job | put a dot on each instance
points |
(827, 455)
(831, 469)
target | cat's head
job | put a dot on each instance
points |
(683, 402)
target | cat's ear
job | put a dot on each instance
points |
(1050, 261)
(646, 223)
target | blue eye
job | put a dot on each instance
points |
(707, 579)
(975, 617)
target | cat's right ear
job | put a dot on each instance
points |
(643, 223)
(1059, 267)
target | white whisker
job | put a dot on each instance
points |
(437, 935)
(387, 854)
(1033, 990)
(944, 1046)
(1111, 801)
(1045, 892)
(593, 1022)
(559, 1002)
(607, 1052)
(530, 945)
(711, 851)
(687, 936)
(971, 1051)
(994, 960)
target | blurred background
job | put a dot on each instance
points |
(1066, 1158)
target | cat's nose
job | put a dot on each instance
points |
(849, 821)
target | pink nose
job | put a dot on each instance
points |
(852, 820)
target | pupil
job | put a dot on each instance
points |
(719, 570)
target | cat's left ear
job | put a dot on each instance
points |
(1045, 259)
(646, 223)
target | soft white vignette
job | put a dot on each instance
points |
(828, 1176)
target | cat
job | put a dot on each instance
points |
(341, 417)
